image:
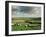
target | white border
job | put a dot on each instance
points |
(29, 31)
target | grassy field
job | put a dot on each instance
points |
(25, 23)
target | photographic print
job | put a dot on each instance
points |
(25, 18)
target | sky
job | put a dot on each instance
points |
(26, 11)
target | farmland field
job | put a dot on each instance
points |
(26, 23)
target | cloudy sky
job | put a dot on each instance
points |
(26, 11)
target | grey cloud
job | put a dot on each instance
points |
(26, 11)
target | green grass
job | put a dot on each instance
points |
(21, 24)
